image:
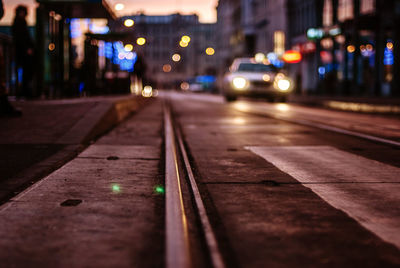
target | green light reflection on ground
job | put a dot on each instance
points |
(159, 189)
(116, 188)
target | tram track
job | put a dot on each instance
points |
(178, 246)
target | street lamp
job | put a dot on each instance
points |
(176, 57)
(185, 39)
(129, 22)
(128, 47)
(141, 41)
(167, 68)
(183, 44)
(119, 7)
(210, 51)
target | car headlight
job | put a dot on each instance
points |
(283, 84)
(239, 82)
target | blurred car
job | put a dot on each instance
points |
(246, 77)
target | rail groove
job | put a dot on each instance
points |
(177, 242)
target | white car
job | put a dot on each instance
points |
(246, 77)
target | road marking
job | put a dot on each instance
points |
(347, 182)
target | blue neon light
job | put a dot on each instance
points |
(388, 57)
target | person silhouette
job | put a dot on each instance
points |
(24, 48)
(6, 109)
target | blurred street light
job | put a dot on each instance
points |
(119, 7)
(176, 57)
(129, 23)
(210, 51)
(259, 57)
(183, 44)
(185, 86)
(351, 48)
(52, 46)
(167, 68)
(128, 47)
(141, 41)
(185, 39)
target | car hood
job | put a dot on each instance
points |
(251, 76)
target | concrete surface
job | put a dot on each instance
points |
(51, 132)
(99, 210)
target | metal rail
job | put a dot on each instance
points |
(177, 240)
(215, 255)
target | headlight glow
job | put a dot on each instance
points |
(283, 84)
(239, 82)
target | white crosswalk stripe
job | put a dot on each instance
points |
(367, 190)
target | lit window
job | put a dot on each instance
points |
(367, 6)
(327, 17)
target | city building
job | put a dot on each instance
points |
(302, 16)
(173, 47)
(57, 55)
(348, 46)
(248, 27)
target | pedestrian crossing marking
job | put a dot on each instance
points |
(366, 190)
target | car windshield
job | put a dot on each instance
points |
(255, 67)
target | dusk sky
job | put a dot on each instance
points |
(204, 8)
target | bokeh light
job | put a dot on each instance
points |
(185, 39)
(167, 68)
(141, 41)
(185, 86)
(129, 22)
(128, 47)
(210, 51)
(176, 57)
(119, 7)
(183, 44)
(351, 48)
(115, 188)
(52, 46)
(159, 189)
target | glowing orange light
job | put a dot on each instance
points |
(291, 56)
(351, 48)
(389, 45)
(185, 86)
(52, 46)
(167, 68)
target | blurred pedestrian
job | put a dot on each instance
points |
(6, 109)
(24, 49)
(139, 72)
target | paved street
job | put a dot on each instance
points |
(283, 185)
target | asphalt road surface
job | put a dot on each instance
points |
(282, 185)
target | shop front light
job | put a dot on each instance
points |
(240, 83)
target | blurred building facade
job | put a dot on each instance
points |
(349, 47)
(169, 59)
(56, 71)
(247, 27)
